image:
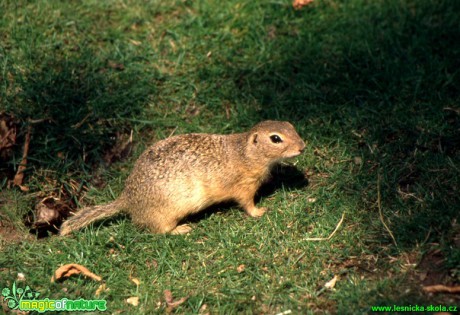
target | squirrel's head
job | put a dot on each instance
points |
(274, 141)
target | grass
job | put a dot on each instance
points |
(373, 87)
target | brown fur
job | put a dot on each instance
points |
(184, 174)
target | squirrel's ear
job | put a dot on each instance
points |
(254, 138)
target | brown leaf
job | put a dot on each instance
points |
(7, 131)
(151, 263)
(49, 211)
(299, 4)
(240, 268)
(73, 269)
(192, 110)
(170, 301)
(439, 288)
(116, 66)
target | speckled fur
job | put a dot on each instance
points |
(184, 174)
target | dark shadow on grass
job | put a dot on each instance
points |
(282, 176)
(77, 102)
(387, 72)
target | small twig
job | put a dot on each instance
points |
(19, 177)
(299, 258)
(172, 132)
(330, 236)
(379, 204)
(37, 121)
(427, 236)
(452, 164)
(440, 288)
(79, 124)
(170, 302)
(455, 110)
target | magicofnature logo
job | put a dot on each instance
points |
(14, 296)
(26, 299)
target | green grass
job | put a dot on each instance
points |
(372, 86)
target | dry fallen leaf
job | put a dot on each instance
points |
(135, 42)
(299, 4)
(50, 210)
(73, 269)
(100, 289)
(151, 263)
(116, 66)
(331, 283)
(21, 277)
(8, 133)
(134, 300)
(240, 268)
(203, 310)
(170, 301)
(135, 280)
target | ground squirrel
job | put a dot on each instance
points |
(184, 174)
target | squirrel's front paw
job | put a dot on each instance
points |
(257, 212)
(181, 229)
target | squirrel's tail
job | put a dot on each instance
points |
(90, 214)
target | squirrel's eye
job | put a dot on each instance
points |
(276, 139)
